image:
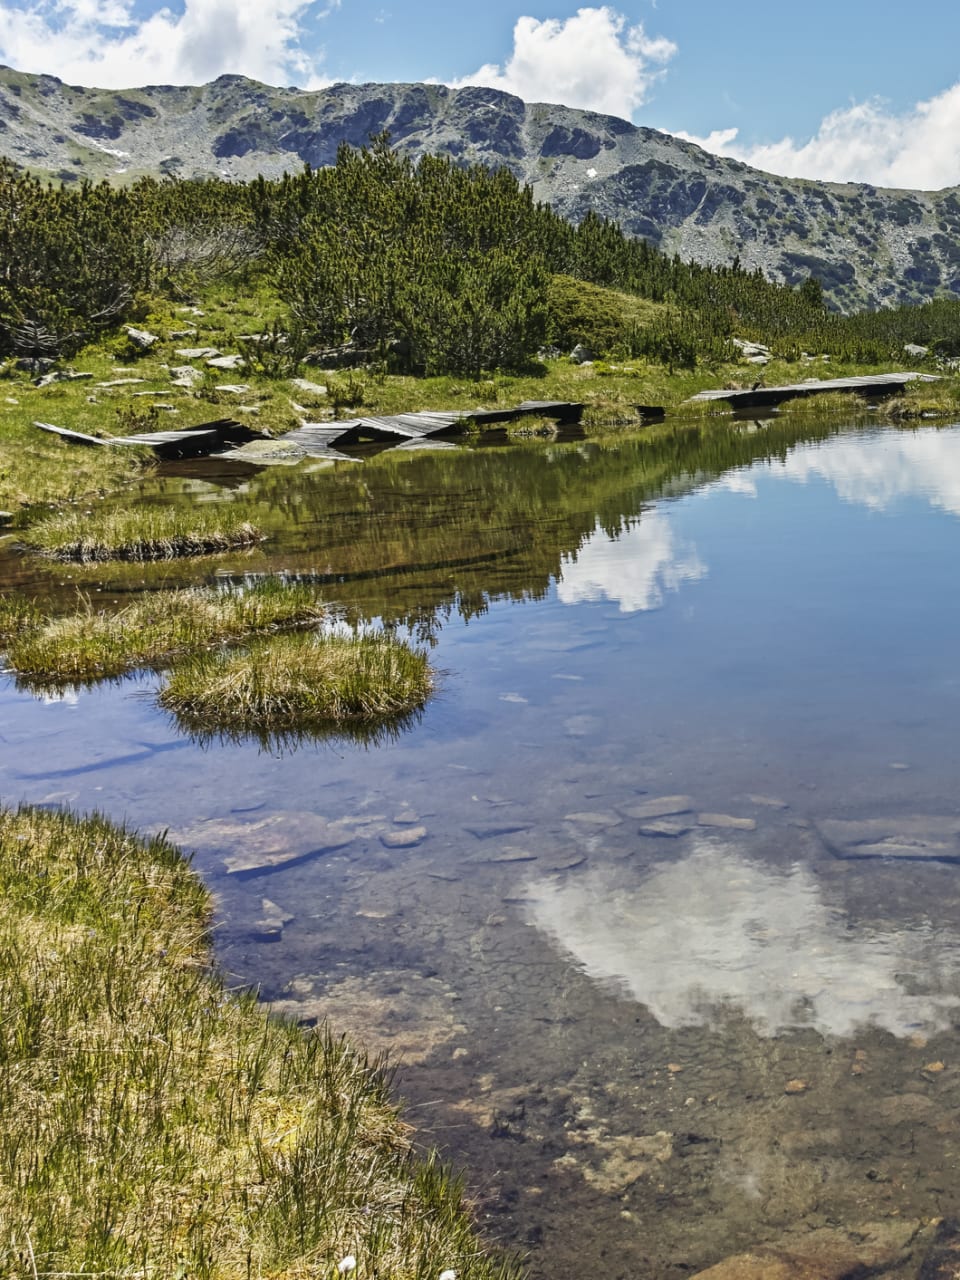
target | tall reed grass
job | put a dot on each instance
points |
(155, 1124)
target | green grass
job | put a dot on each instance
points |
(297, 683)
(151, 631)
(926, 400)
(155, 1124)
(17, 616)
(827, 402)
(143, 532)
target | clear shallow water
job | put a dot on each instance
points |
(601, 1020)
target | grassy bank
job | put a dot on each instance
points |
(126, 392)
(150, 631)
(297, 683)
(152, 1123)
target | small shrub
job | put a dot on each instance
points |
(346, 391)
(274, 353)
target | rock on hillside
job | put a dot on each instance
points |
(867, 246)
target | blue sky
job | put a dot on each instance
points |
(837, 89)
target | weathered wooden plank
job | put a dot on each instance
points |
(874, 383)
(563, 411)
(204, 438)
(74, 437)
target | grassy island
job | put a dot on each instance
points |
(154, 1123)
(143, 533)
(151, 631)
(299, 683)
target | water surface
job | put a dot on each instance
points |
(656, 1031)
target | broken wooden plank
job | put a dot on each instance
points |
(565, 412)
(186, 442)
(74, 437)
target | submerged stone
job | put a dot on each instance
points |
(268, 844)
(487, 831)
(828, 1253)
(594, 819)
(726, 822)
(270, 926)
(918, 837)
(667, 827)
(660, 807)
(404, 839)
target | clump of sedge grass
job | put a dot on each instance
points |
(143, 532)
(300, 682)
(925, 400)
(845, 402)
(17, 615)
(152, 630)
(153, 1123)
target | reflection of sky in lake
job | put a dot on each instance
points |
(875, 472)
(715, 933)
(635, 569)
(654, 558)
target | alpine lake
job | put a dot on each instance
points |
(656, 907)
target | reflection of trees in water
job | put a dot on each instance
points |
(412, 539)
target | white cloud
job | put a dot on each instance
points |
(716, 934)
(592, 60)
(634, 569)
(864, 143)
(103, 43)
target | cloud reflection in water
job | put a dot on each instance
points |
(635, 569)
(875, 473)
(716, 933)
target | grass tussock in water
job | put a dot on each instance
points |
(143, 532)
(154, 629)
(154, 1124)
(842, 402)
(300, 682)
(17, 615)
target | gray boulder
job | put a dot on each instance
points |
(142, 339)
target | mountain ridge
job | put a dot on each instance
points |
(868, 246)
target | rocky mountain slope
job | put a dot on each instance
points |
(867, 246)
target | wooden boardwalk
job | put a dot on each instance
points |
(320, 438)
(878, 384)
(190, 442)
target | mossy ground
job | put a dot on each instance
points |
(153, 1123)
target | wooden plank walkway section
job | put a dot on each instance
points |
(190, 442)
(317, 439)
(878, 384)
